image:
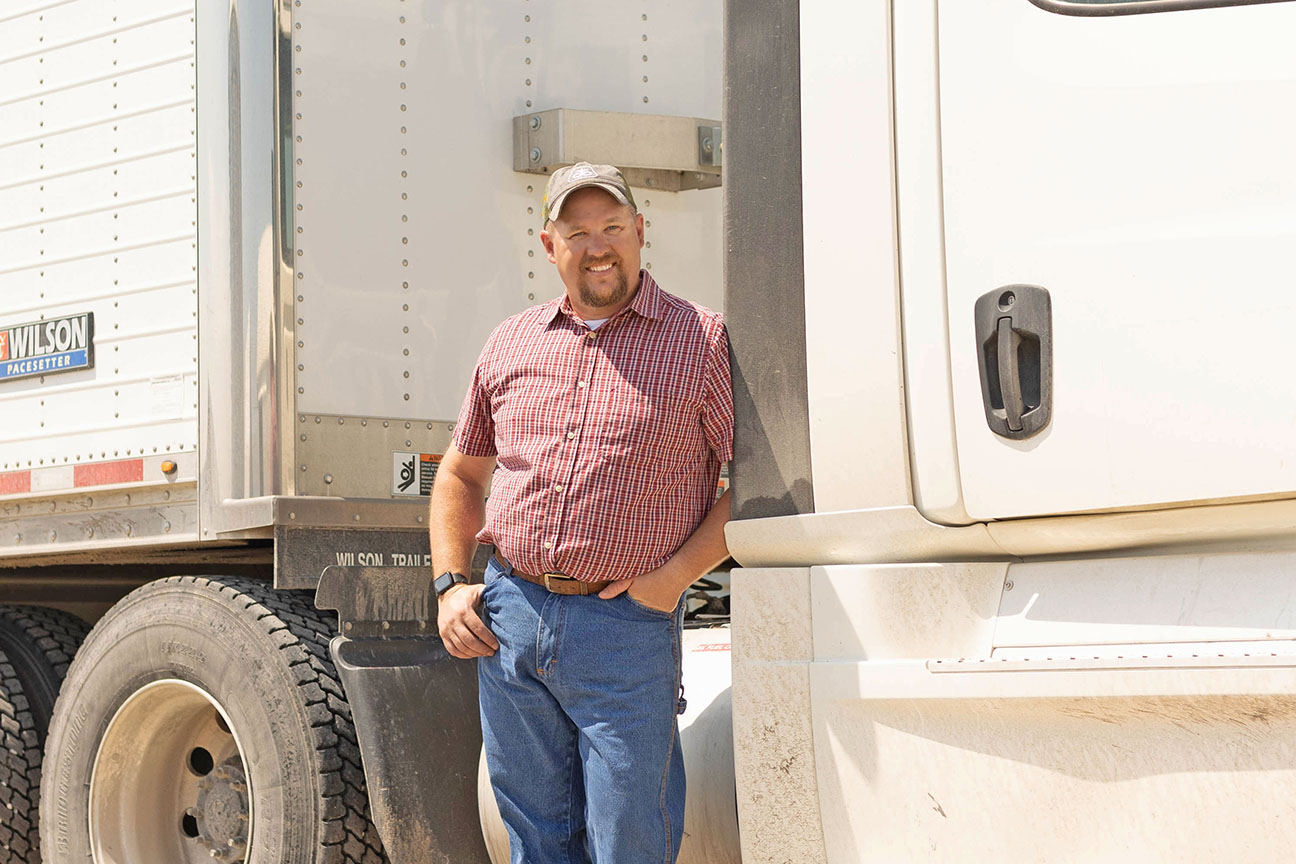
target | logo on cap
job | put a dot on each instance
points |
(582, 172)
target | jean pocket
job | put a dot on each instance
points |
(646, 609)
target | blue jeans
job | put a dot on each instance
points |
(578, 712)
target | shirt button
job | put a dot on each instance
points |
(558, 488)
(571, 435)
(592, 335)
(548, 545)
(582, 384)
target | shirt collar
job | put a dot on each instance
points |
(646, 302)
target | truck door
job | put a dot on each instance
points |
(1139, 167)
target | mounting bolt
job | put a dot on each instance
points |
(535, 124)
(535, 154)
(708, 145)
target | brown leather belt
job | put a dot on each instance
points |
(558, 583)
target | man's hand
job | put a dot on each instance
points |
(700, 554)
(658, 589)
(461, 629)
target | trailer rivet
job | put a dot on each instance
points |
(53, 536)
(347, 626)
(292, 515)
(129, 530)
(355, 518)
(328, 478)
(386, 625)
(1008, 586)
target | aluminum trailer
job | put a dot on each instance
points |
(248, 255)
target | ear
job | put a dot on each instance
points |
(547, 241)
(639, 228)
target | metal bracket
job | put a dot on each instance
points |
(709, 145)
(655, 151)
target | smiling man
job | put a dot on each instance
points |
(600, 421)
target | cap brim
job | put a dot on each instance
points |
(556, 205)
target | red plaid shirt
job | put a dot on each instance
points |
(608, 442)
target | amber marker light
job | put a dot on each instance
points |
(168, 467)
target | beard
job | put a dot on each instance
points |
(601, 298)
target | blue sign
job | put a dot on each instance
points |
(47, 347)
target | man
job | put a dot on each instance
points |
(600, 420)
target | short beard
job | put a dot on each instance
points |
(596, 301)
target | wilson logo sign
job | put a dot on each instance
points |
(45, 347)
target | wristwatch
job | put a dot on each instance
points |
(446, 581)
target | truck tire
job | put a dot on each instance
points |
(202, 720)
(36, 646)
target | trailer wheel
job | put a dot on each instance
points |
(36, 646)
(202, 720)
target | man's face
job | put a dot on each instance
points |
(595, 244)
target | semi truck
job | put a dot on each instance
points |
(1007, 285)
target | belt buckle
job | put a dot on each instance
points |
(546, 577)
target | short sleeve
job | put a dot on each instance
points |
(717, 398)
(474, 432)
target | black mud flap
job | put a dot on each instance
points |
(415, 712)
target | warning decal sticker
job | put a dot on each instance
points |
(412, 473)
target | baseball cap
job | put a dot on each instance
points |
(567, 180)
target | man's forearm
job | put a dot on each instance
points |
(704, 549)
(456, 513)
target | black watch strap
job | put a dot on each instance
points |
(446, 581)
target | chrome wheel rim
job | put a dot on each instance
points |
(169, 784)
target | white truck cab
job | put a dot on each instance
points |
(1013, 498)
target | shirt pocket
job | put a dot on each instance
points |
(649, 427)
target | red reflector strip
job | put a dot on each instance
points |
(15, 482)
(103, 473)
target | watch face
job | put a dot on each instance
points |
(444, 582)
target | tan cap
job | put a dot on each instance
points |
(567, 180)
